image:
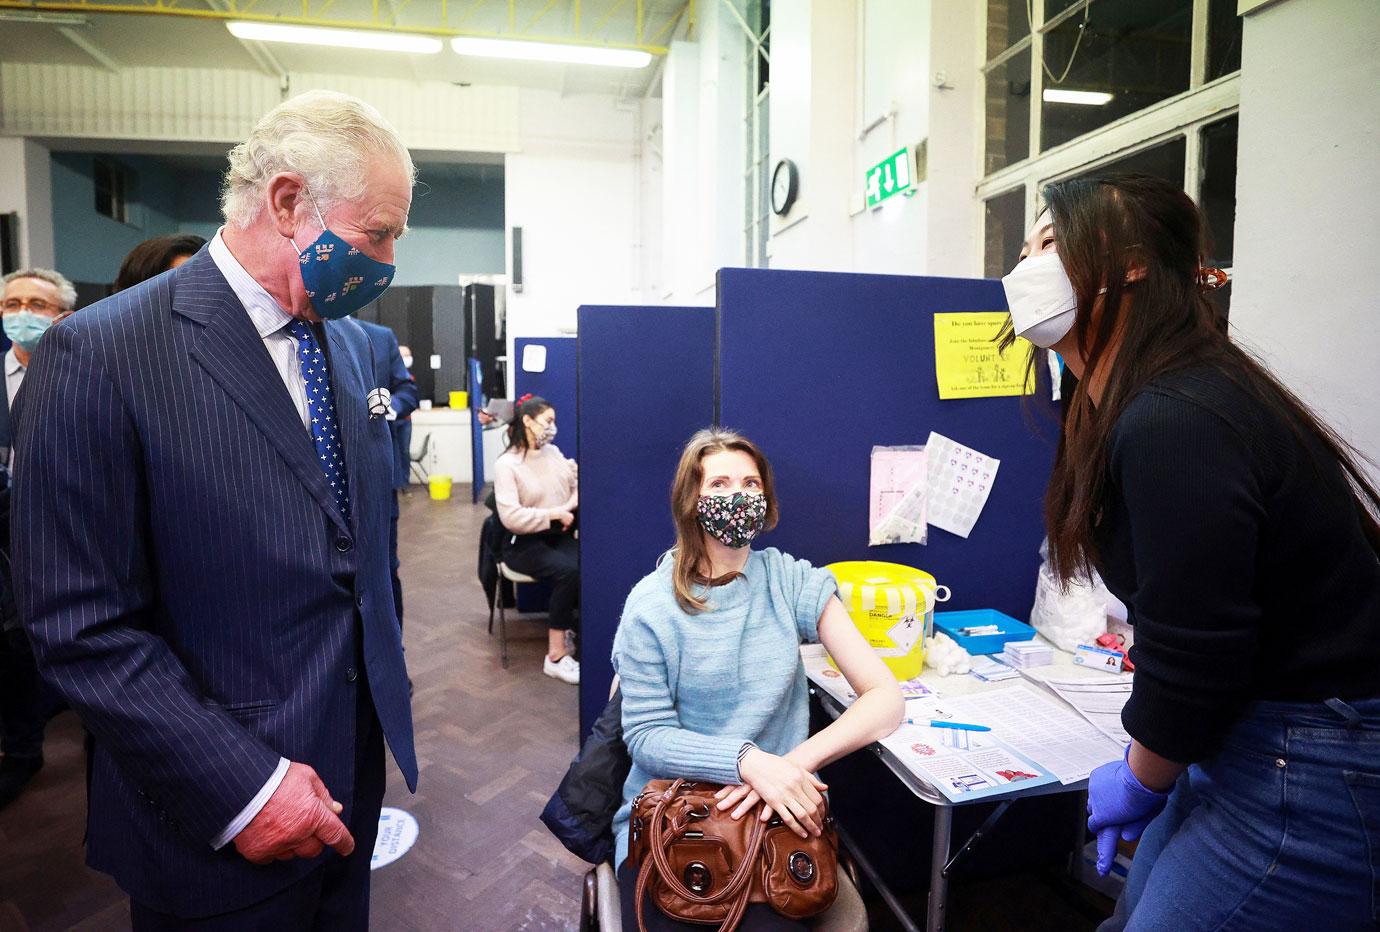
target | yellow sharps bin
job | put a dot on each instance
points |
(893, 607)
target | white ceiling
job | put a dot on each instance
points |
(155, 40)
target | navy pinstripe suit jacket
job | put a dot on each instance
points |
(188, 582)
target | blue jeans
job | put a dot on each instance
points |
(1281, 830)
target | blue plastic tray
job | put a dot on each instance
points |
(951, 623)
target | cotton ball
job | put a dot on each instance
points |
(945, 656)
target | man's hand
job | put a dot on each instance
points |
(299, 821)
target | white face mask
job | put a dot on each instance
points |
(407, 361)
(1041, 299)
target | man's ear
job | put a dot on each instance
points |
(283, 194)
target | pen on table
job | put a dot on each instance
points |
(958, 726)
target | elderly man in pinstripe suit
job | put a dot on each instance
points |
(201, 550)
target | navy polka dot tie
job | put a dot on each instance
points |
(325, 432)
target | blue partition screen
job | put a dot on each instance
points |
(555, 382)
(646, 384)
(476, 431)
(818, 367)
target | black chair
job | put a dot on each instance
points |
(417, 460)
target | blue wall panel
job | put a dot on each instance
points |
(818, 367)
(556, 384)
(646, 384)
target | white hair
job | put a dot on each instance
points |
(67, 292)
(326, 137)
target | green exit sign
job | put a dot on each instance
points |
(889, 177)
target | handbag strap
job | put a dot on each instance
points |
(739, 884)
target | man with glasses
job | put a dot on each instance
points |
(33, 299)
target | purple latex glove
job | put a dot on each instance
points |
(1119, 804)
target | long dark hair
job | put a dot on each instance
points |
(529, 406)
(1105, 229)
(154, 256)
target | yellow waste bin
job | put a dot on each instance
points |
(893, 607)
(459, 399)
(440, 487)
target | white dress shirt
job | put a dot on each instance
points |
(269, 320)
(14, 374)
(14, 377)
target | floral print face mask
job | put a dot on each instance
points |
(733, 519)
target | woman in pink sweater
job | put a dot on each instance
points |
(536, 490)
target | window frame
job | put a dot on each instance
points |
(1186, 114)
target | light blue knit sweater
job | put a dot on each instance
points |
(695, 687)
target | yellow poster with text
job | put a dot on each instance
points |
(969, 363)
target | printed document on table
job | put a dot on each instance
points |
(960, 481)
(1033, 725)
(825, 677)
(899, 486)
(1097, 696)
(962, 765)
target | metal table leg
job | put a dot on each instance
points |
(939, 859)
(1080, 837)
(874, 878)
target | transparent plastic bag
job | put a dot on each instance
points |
(1068, 618)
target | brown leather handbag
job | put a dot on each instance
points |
(698, 864)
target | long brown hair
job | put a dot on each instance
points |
(1104, 228)
(691, 555)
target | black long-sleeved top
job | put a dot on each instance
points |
(1236, 545)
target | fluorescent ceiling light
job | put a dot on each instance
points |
(1054, 95)
(50, 19)
(337, 38)
(550, 51)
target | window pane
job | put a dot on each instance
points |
(1163, 161)
(1131, 54)
(1224, 39)
(1218, 193)
(1004, 231)
(1007, 24)
(1008, 112)
(1054, 7)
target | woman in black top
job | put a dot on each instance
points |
(1242, 536)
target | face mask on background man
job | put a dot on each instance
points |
(25, 328)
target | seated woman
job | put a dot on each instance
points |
(708, 653)
(536, 493)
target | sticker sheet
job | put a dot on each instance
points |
(960, 481)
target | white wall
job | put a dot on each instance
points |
(814, 123)
(837, 66)
(26, 188)
(1308, 205)
(953, 245)
(574, 188)
(704, 147)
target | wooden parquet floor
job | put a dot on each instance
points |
(492, 745)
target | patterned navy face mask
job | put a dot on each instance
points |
(339, 279)
(733, 519)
